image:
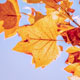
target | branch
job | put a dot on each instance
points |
(65, 12)
(70, 16)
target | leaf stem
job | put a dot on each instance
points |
(45, 39)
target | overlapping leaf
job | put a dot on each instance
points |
(72, 36)
(74, 55)
(74, 68)
(9, 17)
(74, 61)
(66, 5)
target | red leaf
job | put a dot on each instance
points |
(72, 36)
(70, 10)
(73, 57)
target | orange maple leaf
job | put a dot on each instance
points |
(9, 17)
(38, 1)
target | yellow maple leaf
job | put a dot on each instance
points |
(72, 49)
(9, 14)
(73, 68)
(64, 27)
(77, 71)
(40, 40)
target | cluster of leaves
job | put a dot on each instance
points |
(39, 39)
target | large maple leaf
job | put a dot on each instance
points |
(39, 40)
(9, 17)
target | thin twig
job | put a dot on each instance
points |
(65, 12)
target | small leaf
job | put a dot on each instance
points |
(71, 68)
(74, 54)
(70, 10)
(72, 49)
(72, 36)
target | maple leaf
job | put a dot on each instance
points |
(9, 14)
(72, 49)
(40, 40)
(74, 55)
(51, 3)
(72, 36)
(70, 10)
(62, 27)
(66, 5)
(73, 68)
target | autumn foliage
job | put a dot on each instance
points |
(39, 38)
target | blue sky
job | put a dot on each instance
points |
(18, 66)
